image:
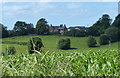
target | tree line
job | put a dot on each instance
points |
(103, 26)
(98, 28)
(22, 28)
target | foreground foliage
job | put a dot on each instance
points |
(86, 63)
(34, 45)
(10, 50)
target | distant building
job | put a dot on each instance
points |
(62, 28)
(77, 28)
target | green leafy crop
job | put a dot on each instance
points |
(83, 63)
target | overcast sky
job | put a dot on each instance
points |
(56, 13)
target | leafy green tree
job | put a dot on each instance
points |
(100, 26)
(116, 22)
(22, 28)
(4, 31)
(35, 44)
(104, 39)
(91, 42)
(42, 27)
(93, 31)
(113, 34)
(105, 21)
(30, 28)
(64, 44)
(10, 50)
(12, 33)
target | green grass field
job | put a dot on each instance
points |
(82, 61)
(50, 44)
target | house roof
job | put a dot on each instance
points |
(55, 27)
(61, 27)
(58, 27)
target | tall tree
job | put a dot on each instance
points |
(113, 34)
(42, 27)
(4, 31)
(105, 21)
(30, 29)
(101, 25)
(93, 31)
(116, 22)
(22, 28)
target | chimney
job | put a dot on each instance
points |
(50, 25)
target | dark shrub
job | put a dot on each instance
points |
(34, 45)
(10, 50)
(104, 39)
(64, 44)
(113, 34)
(91, 42)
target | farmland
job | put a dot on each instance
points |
(50, 44)
(78, 61)
(51, 39)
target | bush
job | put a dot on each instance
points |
(35, 44)
(64, 44)
(10, 50)
(104, 39)
(91, 42)
(113, 34)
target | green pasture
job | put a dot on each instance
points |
(78, 61)
(50, 44)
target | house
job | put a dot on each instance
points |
(61, 29)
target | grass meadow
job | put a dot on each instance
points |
(50, 44)
(78, 61)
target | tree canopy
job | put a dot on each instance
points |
(116, 22)
(4, 31)
(22, 28)
(100, 26)
(42, 27)
(113, 34)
